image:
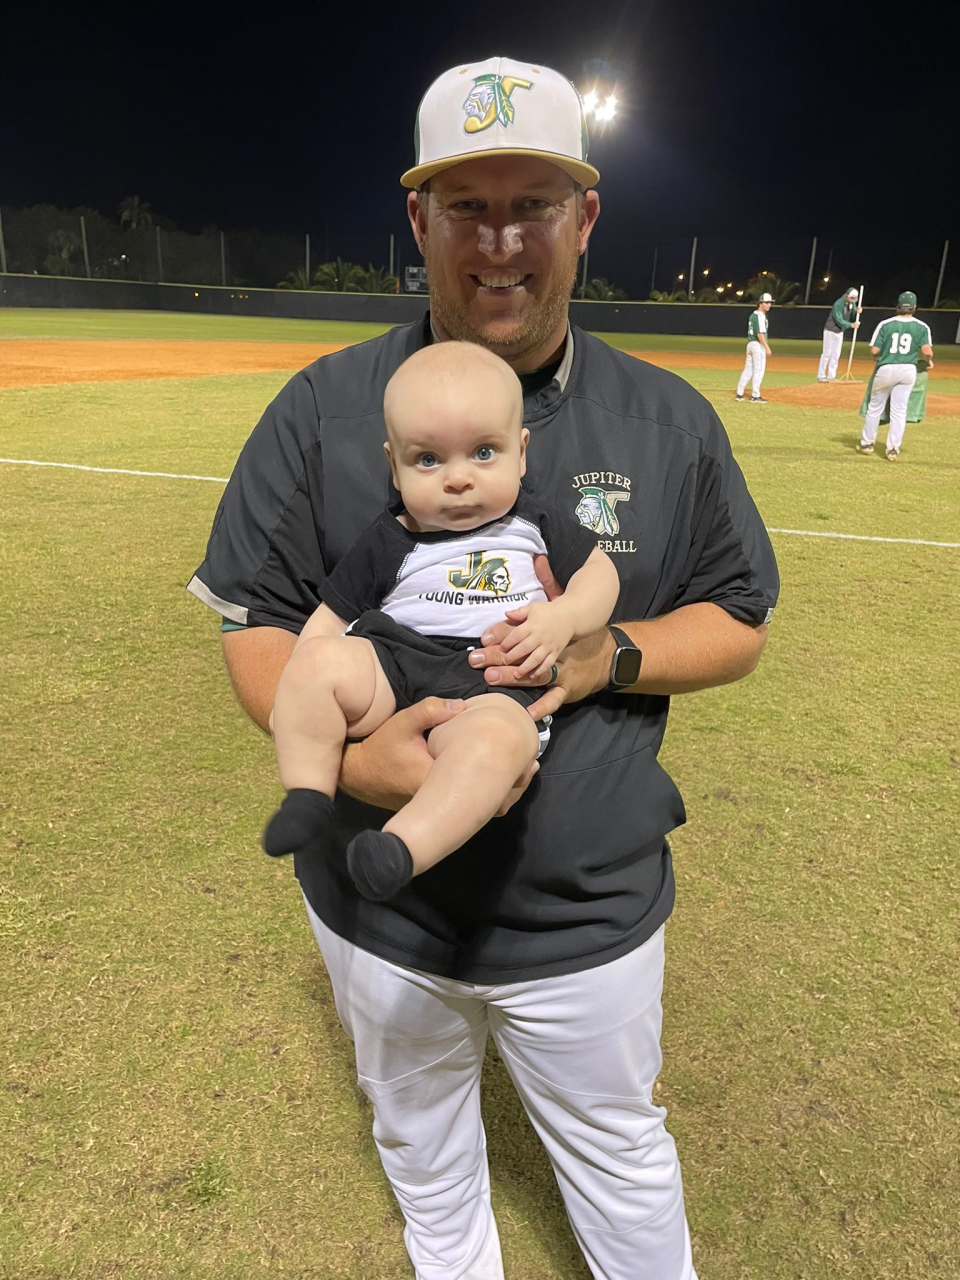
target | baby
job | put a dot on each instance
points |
(401, 610)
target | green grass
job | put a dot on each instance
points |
(178, 1099)
(43, 322)
(69, 323)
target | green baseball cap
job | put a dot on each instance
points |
(906, 299)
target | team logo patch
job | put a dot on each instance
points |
(482, 574)
(597, 508)
(489, 101)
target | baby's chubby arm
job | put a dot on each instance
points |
(546, 629)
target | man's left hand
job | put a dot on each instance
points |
(582, 669)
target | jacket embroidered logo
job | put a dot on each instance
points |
(597, 508)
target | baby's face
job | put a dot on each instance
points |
(457, 453)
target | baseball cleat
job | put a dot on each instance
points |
(757, 400)
(823, 379)
(738, 397)
(893, 455)
(864, 448)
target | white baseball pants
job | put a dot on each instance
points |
(583, 1051)
(830, 358)
(754, 367)
(895, 381)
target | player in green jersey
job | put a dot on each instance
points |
(897, 343)
(757, 350)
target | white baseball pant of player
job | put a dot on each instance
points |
(832, 344)
(754, 367)
(583, 1051)
(895, 381)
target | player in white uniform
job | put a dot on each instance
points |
(757, 350)
(844, 314)
(897, 344)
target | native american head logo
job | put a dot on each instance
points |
(489, 101)
(482, 574)
(596, 508)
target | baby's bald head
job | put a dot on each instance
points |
(452, 375)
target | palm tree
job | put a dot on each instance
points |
(62, 245)
(339, 277)
(661, 295)
(134, 213)
(601, 290)
(378, 280)
(783, 292)
(296, 280)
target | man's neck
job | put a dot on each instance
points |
(546, 353)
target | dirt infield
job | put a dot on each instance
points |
(28, 363)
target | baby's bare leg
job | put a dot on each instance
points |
(333, 687)
(478, 757)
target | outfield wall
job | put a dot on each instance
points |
(682, 318)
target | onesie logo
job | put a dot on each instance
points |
(482, 574)
(489, 101)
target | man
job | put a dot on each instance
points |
(757, 350)
(843, 315)
(546, 929)
(897, 343)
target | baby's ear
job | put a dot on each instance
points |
(524, 441)
(393, 466)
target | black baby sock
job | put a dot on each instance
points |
(379, 864)
(304, 816)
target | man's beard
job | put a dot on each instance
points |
(525, 335)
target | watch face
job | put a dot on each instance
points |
(626, 669)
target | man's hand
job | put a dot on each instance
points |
(584, 667)
(388, 767)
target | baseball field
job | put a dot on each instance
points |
(178, 1100)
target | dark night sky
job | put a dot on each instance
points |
(742, 120)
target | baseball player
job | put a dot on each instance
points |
(545, 930)
(757, 350)
(845, 314)
(897, 343)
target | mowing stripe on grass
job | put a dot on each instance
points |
(173, 475)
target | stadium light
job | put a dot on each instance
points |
(680, 276)
(706, 271)
(602, 109)
(739, 293)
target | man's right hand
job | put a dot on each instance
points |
(389, 766)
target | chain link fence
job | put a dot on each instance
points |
(44, 240)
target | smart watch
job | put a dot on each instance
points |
(626, 663)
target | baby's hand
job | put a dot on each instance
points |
(541, 632)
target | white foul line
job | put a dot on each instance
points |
(863, 537)
(173, 475)
(113, 471)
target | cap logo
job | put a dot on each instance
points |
(489, 101)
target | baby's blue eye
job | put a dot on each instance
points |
(485, 453)
(427, 460)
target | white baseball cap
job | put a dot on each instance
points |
(501, 107)
(766, 297)
(852, 292)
